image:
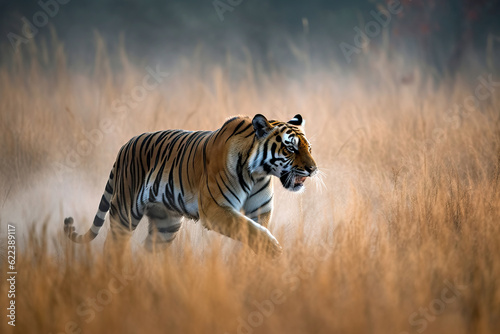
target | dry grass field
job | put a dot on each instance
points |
(399, 234)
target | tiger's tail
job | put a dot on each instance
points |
(69, 229)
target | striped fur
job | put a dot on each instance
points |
(222, 178)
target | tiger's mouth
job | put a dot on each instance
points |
(299, 181)
(292, 182)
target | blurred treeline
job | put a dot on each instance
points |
(442, 34)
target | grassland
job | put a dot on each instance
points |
(400, 234)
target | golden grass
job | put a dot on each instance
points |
(404, 236)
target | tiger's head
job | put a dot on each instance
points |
(283, 151)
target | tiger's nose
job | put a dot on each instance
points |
(311, 170)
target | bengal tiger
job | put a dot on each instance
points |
(221, 177)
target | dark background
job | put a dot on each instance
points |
(439, 33)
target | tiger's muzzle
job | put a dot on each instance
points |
(294, 180)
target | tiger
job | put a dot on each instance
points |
(221, 178)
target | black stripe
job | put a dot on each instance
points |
(228, 188)
(262, 188)
(180, 200)
(244, 129)
(212, 196)
(137, 215)
(189, 138)
(165, 143)
(104, 204)
(262, 205)
(220, 132)
(236, 129)
(224, 195)
(166, 202)
(161, 137)
(198, 138)
(172, 143)
(108, 188)
(204, 150)
(156, 183)
(123, 219)
(169, 229)
(239, 171)
(267, 168)
(98, 221)
(250, 134)
(264, 154)
(195, 147)
(146, 141)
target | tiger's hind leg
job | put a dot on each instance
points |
(163, 227)
(121, 228)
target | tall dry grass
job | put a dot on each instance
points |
(401, 235)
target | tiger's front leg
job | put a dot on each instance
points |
(233, 224)
(259, 204)
(262, 219)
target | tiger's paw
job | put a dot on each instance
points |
(270, 246)
(275, 250)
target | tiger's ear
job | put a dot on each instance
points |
(297, 120)
(261, 125)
